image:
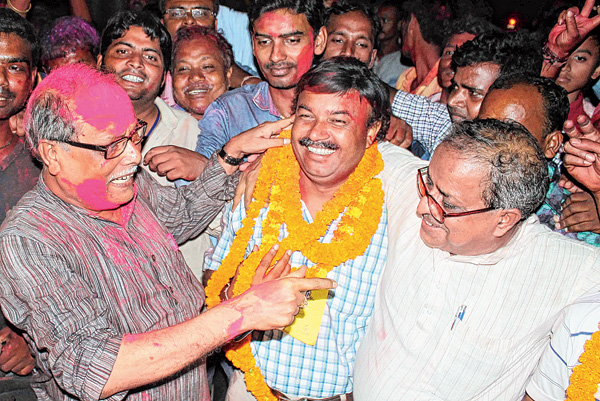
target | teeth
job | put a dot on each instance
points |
(320, 151)
(197, 91)
(132, 78)
(123, 179)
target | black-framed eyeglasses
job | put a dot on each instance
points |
(197, 13)
(116, 148)
(436, 210)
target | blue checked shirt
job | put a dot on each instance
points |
(429, 120)
(325, 369)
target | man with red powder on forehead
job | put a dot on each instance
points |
(286, 35)
(91, 266)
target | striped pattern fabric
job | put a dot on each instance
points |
(577, 324)
(416, 348)
(76, 283)
(325, 369)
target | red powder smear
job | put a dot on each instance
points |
(352, 102)
(172, 242)
(236, 327)
(93, 193)
(104, 107)
(305, 58)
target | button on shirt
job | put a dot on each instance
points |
(76, 283)
(233, 113)
(325, 369)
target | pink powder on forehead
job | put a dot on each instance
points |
(105, 106)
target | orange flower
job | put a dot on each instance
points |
(586, 376)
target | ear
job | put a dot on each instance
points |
(372, 132)
(320, 41)
(50, 155)
(552, 144)
(413, 26)
(373, 58)
(507, 219)
(228, 75)
(32, 80)
(99, 61)
(596, 73)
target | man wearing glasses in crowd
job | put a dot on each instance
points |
(467, 309)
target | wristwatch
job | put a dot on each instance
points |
(229, 159)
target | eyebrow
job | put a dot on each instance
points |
(334, 113)
(10, 59)
(283, 35)
(144, 49)
(583, 51)
(473, 88)
(191, 8)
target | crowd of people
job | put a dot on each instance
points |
(395, 201)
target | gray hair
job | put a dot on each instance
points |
(517, 169)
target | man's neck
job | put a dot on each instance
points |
(388, 46)
(146, 111)
(315, 195)
(283, 99)
(424, 57)
(7, 139)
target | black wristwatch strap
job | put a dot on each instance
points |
(228, 159)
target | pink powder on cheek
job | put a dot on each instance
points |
(357, 107)
(305, 58)
(105, 106)
(93, 193)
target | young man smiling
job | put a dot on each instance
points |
(286, 36)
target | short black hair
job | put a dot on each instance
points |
(343, 74)
(342, 7)
(120, 23)
(514, 52)
(11, 22)
(192, 32)
(429, 14)
(554, 97)
(161, 6)
(473, 25)
(312, 9)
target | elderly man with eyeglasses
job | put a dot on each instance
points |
(473, 282)
(91, 268)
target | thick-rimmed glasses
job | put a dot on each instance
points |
(436, 210)
(116, 148)
(197, 13)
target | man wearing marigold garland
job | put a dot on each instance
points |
(323, 200)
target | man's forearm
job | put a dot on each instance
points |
(149, 357)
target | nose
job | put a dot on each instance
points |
(277, 53)
(319, 130)
(456, 99)
(3, 76)
(347, 49)
(132, 153)
(189, 19)
(135, 60)
(567, 66)
(197, 75)
(422, 206)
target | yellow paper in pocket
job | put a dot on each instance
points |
(306, 326)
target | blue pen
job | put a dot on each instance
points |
(460, 313)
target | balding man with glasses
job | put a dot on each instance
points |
(91, 268)
(473, 282)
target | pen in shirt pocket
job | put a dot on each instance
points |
(460, 313)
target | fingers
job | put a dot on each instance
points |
(587, 128)
(305, 284)
(587, 8)
(571, 129)
(280, 268)
(298, 273)
(399, 133)
(581, 152)
(571, 24)
(155, 151)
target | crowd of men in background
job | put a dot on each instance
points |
(484, 283)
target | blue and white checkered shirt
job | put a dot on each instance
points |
(325, 369)
(430, 121)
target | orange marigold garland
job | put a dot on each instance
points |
(586, 376)
(360, 199)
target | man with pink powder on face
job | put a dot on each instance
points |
(286, 35)
(92, 269)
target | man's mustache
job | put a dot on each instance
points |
(318, 144)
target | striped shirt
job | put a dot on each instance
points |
(453, 327)
(577, 324)
(325, 369)
(76, 283)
